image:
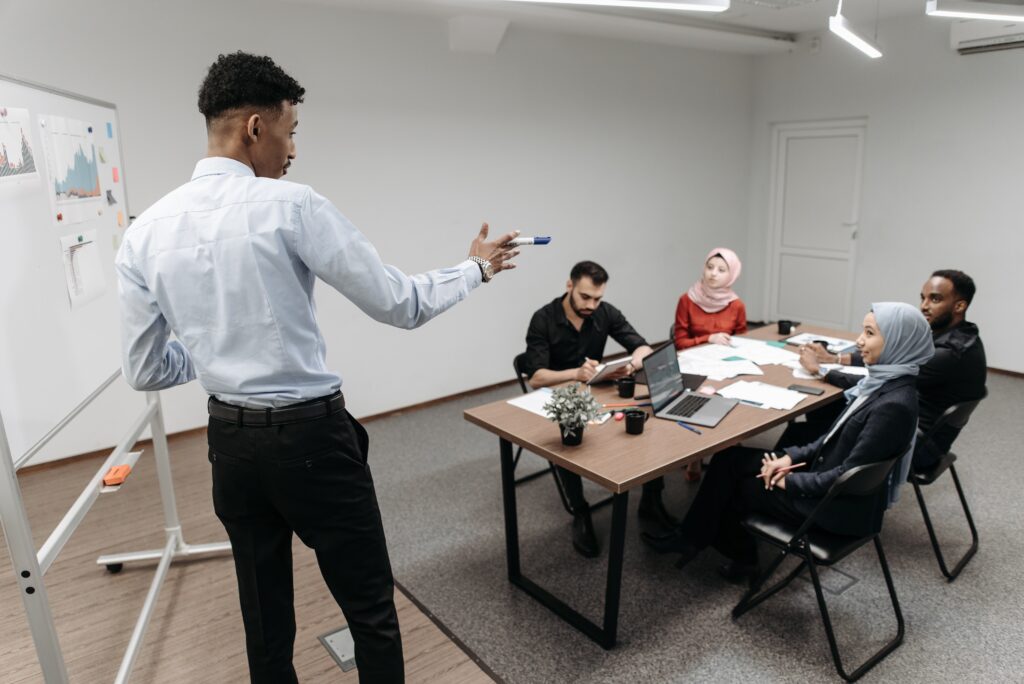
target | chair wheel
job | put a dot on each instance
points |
(114, 568)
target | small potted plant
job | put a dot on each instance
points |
(572, 407)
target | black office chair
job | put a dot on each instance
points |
(955, 416)
(815, 547)
(517, 364)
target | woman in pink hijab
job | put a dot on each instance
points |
(710, 311)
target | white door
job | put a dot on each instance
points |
(816, 177)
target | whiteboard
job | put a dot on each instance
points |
(64, 211)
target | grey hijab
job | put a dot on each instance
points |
(908, 346)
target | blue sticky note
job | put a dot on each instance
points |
(780, 344)
(110, 130)
(734, 358)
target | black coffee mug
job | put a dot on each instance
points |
(635, 419)
(627, 387)
(785, 327)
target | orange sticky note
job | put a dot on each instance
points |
(117, 176)
(120, 219)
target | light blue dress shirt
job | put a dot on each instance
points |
(227, 263)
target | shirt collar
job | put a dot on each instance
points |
(215, 166)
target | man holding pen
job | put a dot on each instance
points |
(227, 262)
(564, 343)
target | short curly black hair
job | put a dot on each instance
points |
(242, 79)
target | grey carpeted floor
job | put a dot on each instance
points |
(438, 482)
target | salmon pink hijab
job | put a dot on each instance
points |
(713, 300)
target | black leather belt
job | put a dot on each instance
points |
(296, 413)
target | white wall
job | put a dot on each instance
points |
(635, 156)
(942, 180)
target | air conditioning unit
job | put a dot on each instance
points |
(970, 37)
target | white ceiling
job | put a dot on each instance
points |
(749, 26)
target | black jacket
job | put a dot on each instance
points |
(880, 429)
(956, 373)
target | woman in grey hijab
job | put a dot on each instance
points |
(878, 424)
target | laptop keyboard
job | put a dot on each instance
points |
(688, 406)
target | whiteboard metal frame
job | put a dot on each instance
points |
(29, 565)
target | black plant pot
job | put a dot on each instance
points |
(571, 436)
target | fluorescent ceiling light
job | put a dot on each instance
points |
(992, 11)
(839, 26)
(687, 5)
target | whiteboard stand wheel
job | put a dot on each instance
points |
(114, 568)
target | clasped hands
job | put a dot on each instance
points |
(813, 355)
(774, 469)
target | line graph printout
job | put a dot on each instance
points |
(17, 158)
(76, 195)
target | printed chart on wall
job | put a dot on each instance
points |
(17, 159)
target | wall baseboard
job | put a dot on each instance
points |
(370, 418)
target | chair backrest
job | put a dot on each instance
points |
(517, 363)
(956, 416)
(863, 480)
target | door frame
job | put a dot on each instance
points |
(780, 134)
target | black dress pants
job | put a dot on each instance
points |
(309, 478)
(729, 490)
(573, 486)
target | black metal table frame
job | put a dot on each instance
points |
(604, 635)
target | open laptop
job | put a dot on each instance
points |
(673, 394)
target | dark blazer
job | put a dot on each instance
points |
(880, 429)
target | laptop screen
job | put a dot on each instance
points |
(663, 379)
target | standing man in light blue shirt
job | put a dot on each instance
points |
(227, 262)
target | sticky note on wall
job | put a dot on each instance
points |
(120, 219)
(117, 175)
(110, 130)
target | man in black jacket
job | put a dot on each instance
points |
(955, 374)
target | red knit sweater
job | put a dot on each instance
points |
(694, 325)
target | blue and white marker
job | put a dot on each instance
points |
(520, 241)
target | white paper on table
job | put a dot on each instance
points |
(801, 373)
(764, 395)
(707, 352)
(853, 370)
(718, 370)
(760, 352)
(82, 270)
(835, 344)
(534, 403)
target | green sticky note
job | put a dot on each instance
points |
(735, 358)
(779, 344)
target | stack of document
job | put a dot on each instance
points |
(761, 352)
(760, 394)
(717, 361)
(717, 370)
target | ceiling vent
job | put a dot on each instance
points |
(972, 37)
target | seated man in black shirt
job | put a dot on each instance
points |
(565, 342)
(955, 374)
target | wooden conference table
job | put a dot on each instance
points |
(618, 462)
